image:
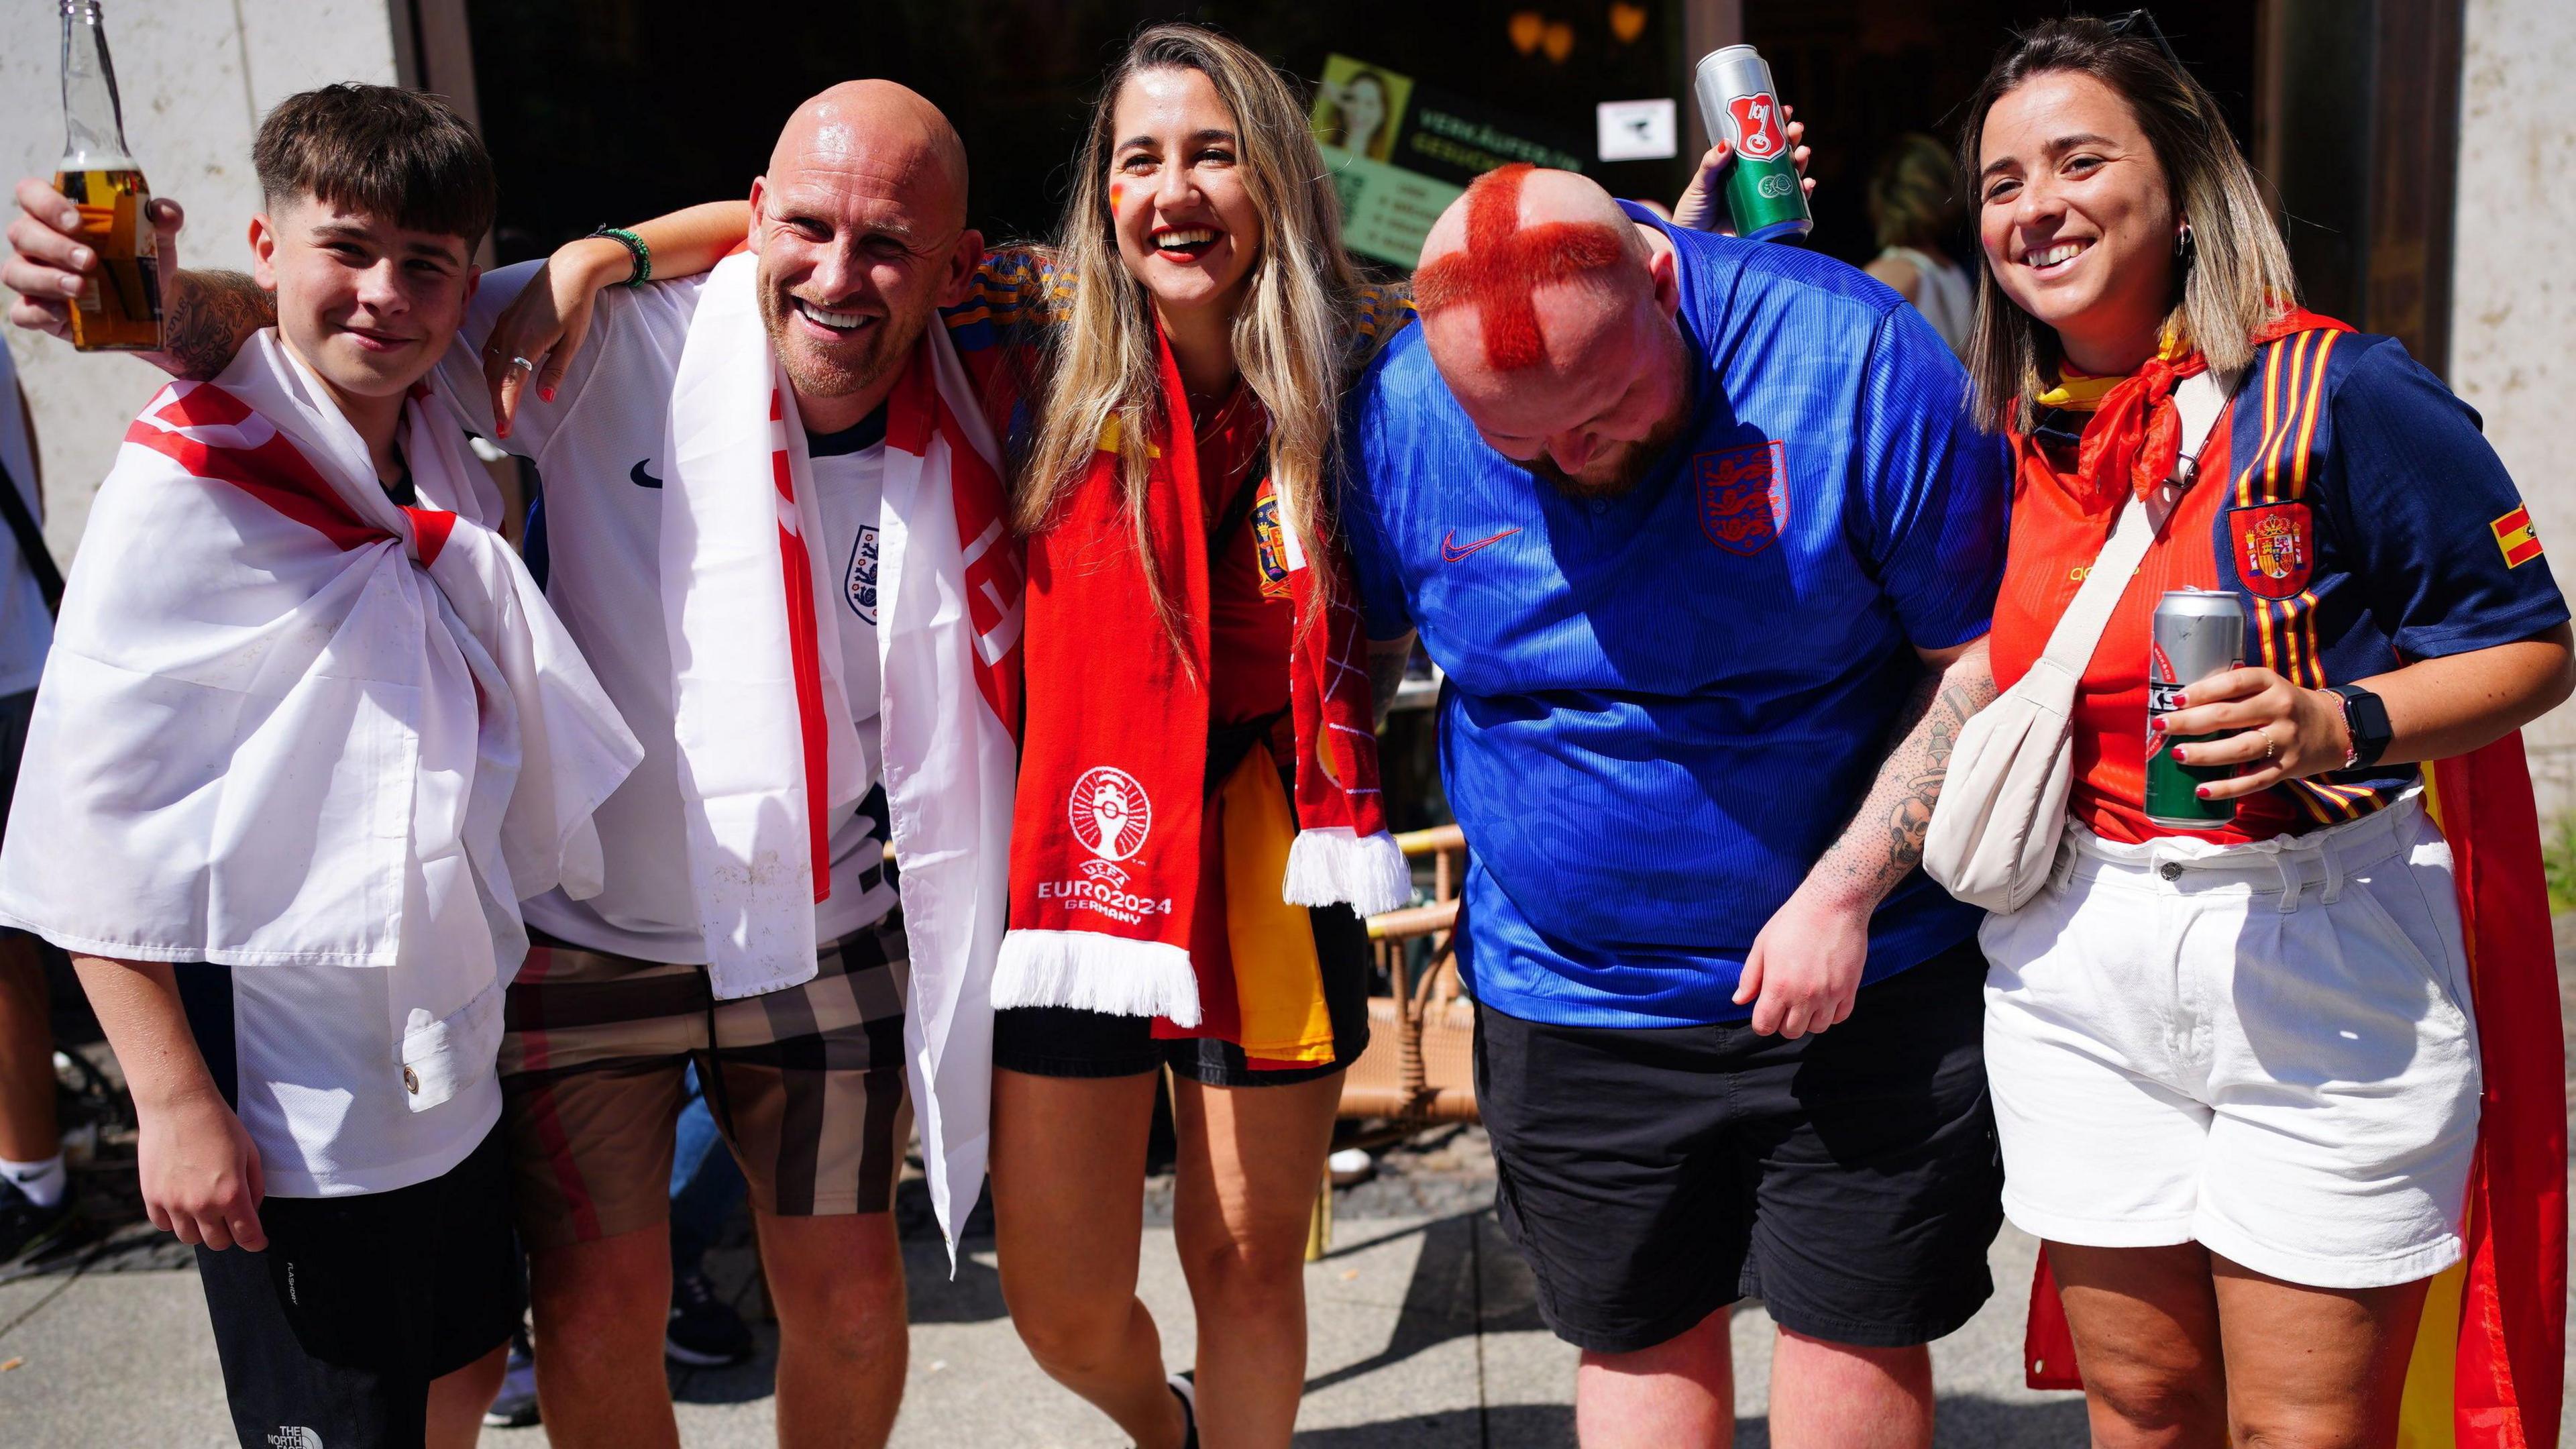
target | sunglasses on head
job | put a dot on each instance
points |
(2142, 22)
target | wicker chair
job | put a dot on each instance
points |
(1418, 1070)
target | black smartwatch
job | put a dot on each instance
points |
(2365, 720)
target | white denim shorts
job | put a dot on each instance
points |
(2263, 1048)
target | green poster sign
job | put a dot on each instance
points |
(1400, 154)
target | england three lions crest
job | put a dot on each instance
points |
(1743, 496)
(860, 587)
(2275, 548)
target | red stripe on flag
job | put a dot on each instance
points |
(805, 660)
(429, 530)
(2522, 553)
(275, 473)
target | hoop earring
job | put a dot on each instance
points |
(2182, 241)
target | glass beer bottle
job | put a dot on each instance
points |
(120, 311)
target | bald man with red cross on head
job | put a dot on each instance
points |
(1706, 543)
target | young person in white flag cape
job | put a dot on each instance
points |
(319, 727)
(770, 518)
(308, 735)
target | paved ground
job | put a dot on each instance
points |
(1423, 1333)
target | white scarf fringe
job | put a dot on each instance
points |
(1088, 971)
(1336, 866)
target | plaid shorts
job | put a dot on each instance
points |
(805, 1083)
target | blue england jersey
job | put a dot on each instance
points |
(1662, 707)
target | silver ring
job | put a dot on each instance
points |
(521, 364)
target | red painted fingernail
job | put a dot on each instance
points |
(545, 394)
(2182, 701)
(2157, 724)
(2202, 791)
(2179, 756)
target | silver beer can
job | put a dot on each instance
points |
(2198, 633)
(1738, 105)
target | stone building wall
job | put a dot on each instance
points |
(2513, 318)
(196, 76)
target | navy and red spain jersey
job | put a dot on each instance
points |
(2363, 520)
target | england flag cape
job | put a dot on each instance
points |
(767, 747)
(288, 722)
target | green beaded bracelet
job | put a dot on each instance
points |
(635, 248)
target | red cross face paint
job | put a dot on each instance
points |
(1505, 262)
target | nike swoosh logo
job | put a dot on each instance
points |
(1450, 552)
(641, 478)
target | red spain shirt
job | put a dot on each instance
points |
(2348, 500)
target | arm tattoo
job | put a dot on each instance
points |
(1947, 713)
(1884, 840)
(209, 315)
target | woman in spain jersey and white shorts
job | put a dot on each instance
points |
(2234, 1068)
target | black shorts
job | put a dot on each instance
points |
(1061, 1041)
(358, 1302)
(16, 712)
(1849, 1179)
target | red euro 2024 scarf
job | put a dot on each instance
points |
(1105, 840)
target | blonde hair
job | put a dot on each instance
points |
(1102, 361)
(2234, 276)
(1912, 196)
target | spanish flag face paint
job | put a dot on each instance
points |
(2515, 535)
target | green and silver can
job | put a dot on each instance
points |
(2198, 633)
(1740, 108)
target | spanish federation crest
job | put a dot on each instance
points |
(1270, 546)
(2275, 547)
(1743, 497)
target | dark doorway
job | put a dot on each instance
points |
(1863, 73)
(601, 111)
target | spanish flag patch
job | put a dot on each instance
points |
(2513, 534)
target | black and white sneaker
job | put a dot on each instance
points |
(1186, 1389)
(704, 1331)
(26, 1229)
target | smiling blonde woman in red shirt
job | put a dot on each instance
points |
(2235, 1079)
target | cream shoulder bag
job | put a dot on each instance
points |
(2003, 805)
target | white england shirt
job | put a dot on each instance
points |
(596, 450)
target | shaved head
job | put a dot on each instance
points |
(1549, 313)
(883, 128)
(1519, 230)
(860, 223)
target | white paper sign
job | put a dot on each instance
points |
(1637, 130)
